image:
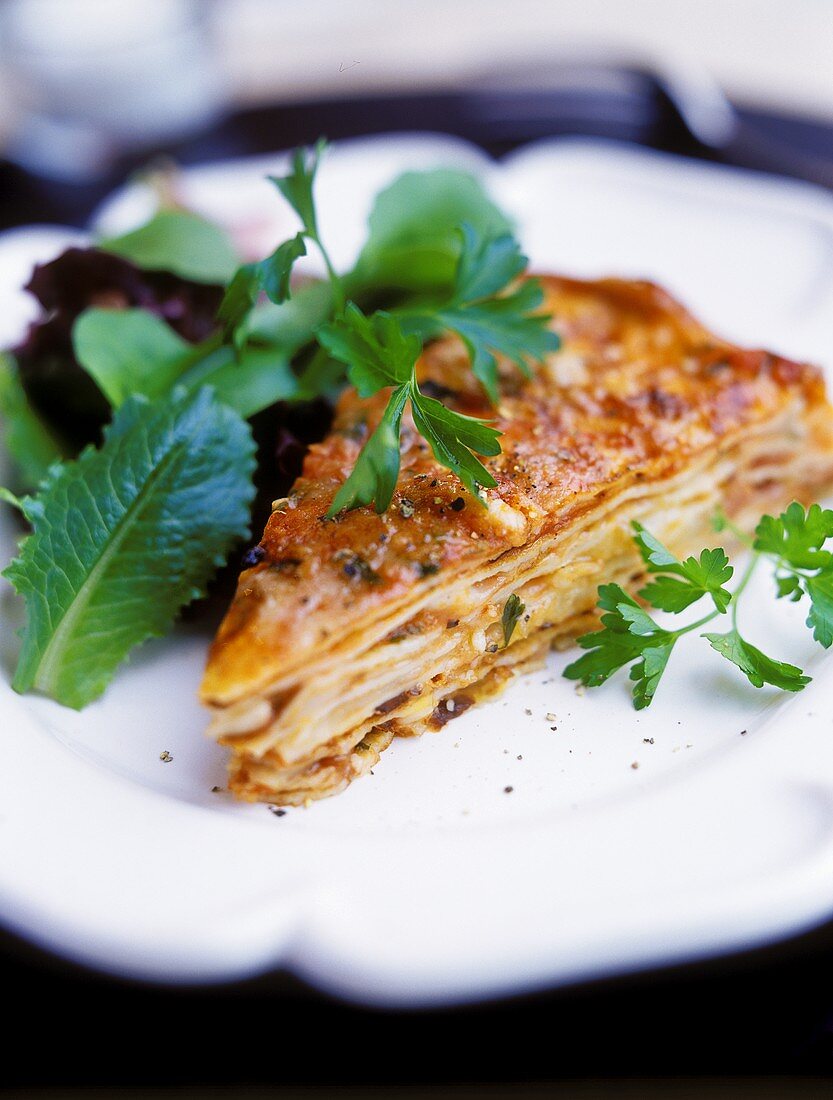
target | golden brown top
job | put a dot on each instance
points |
(636, 390)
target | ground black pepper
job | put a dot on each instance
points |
(253, 557)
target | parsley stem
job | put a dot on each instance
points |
(339, 299)
(700, 622)
(741, 536)
(782, 563)
(747, 574)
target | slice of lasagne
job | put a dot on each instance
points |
(351, 631)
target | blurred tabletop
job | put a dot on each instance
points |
(772, 54)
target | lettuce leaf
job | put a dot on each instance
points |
(125, 536)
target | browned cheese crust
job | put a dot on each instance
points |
(642, 414)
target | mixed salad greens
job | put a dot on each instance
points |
(128, 409)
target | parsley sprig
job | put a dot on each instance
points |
(380, 351)
(484, 314)
(272, 275)
(378, 354)
(297, 188)
(794, 545)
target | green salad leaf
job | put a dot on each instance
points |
(297, 188)
(180, 242)
(126, 535)
(248, 382)
(32, 447)
(414, 238)
(129, 351)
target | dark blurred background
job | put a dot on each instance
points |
(91, 91)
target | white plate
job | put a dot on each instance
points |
(427, 882)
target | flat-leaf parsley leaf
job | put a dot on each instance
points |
(795, 545)
(512, 611)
